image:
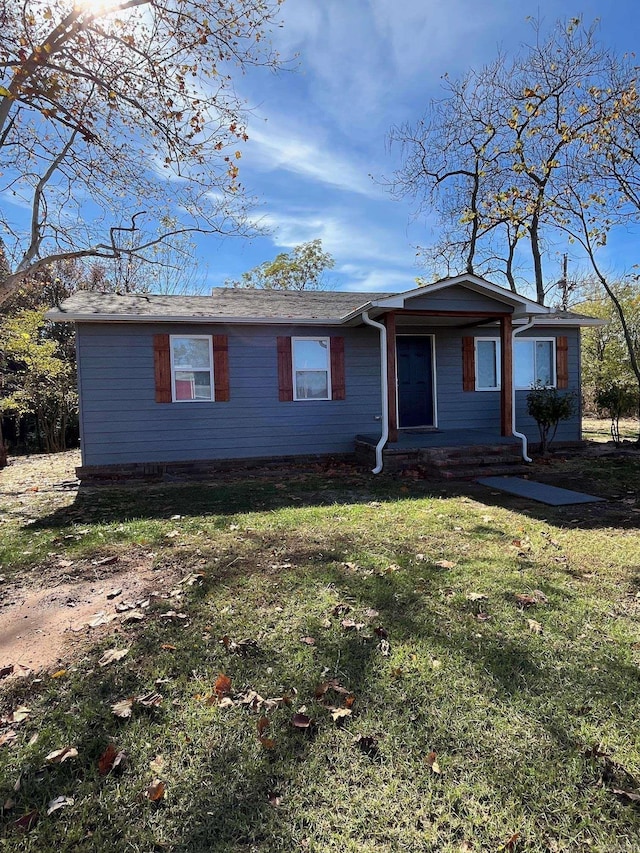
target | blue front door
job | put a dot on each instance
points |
(415, 381)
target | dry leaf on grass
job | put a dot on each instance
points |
(18, 716)
(432, 761)
(111, 760)
(156, 791)
(631, 796)
(112, 655)
(308, 641)
(123, 709)
(445, 564)
(59, 674)
(27, 821)
(8, 737)
(149, 700)
(60, 755)
(222, 685)
(476, 596)
(534, 627)
(59, 803)
(385, 648)
(339, 714)
(301, 721)
(510, 844)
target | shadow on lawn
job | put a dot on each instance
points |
(106, 504)
(237, 814)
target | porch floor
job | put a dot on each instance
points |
(415, 439)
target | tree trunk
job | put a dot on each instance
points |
(537, 258)
(3, 449)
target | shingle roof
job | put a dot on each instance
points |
(224, 303)
(242, 306)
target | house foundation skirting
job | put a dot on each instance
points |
(199, 469)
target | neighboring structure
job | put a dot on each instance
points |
(245, 374)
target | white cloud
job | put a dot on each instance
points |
(280, 147)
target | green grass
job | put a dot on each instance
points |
(532, 731)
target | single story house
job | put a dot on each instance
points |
(251, 374)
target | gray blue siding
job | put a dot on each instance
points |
(456, 298)
(122, 423)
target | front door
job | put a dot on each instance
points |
(415, 381)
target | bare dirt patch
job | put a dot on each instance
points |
(49, 626)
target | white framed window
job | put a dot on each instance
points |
(487, 364)
(311, 368)
(191, 368)
(534, 363)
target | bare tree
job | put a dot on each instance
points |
(492, 158)
(117, 117)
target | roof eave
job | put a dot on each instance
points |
(64, 317)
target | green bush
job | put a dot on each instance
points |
(547, 407)
(616, 400)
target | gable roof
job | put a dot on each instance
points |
(309, 307)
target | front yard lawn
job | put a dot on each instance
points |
(324, 660)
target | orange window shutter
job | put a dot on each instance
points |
(338, 389)
(162, 368)
(468, 364)
(562, 362)
(285, 370)
(221, 368)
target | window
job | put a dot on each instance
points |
(534, 363)
(487, 364)
(191, 368)
(311, 374)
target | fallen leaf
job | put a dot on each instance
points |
(33, 739)
(111, 760)
(350, 625)
(267, 742)
(445, 564)
(340, 609)
(222, 685)
(262, 725)
(627, 795)
(534, 627)
(8, 737)
(149, 700)
(27, 821)
(370, 613)
(476, 596)
(122, 709)
(18, 716)
(60, 755)
(301, 721)
(510, 845)
(340, 714)
(99, 619)
(274, 800)
(381, 632)
(133, 616)
(168, 647)
(112, 655)
(432, 761)
(308, 641)
(525, 600)
(156, 791)
(482, 617)
(59, 803)
(59, 674)
(540, 597)
(105, 561)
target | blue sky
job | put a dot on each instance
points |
(318, 132)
